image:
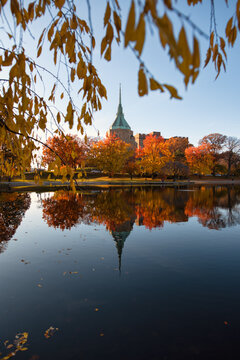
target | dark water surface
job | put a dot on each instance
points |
(151, 273)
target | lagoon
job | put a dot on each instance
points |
(123, 273)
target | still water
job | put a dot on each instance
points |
(141, 273)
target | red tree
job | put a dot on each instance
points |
(70, 148)
(200, 159)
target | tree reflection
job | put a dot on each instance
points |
(120, 209)
(154, 206)
(12, 210)
(66, 209)
(215, 207)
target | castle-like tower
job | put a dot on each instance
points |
(120, 126)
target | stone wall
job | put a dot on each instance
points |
(125, 135)
(139, 138)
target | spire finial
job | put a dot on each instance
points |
(120, 96)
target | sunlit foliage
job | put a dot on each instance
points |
(110, 155)
(70, 148)
(153, 155)
(200, 159)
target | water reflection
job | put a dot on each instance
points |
(65, 209)
(12, 210)
(118, 210)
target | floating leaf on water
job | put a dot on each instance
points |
(18, 345)
(50, 332)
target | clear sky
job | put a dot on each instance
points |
(207, 106)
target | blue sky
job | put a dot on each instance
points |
(207, 106)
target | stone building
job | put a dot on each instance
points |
(122, 130)
(139, 138)
(120, 126)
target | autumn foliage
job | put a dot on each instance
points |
(153, 155)
(110, 155)
(70, 149)
(200, 159)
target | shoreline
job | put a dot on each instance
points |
(57, 185)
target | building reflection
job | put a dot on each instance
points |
(120, 235)
(13, 207)
(119, 210)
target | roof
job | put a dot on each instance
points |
(120, 122)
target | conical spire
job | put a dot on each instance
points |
(120, 122)
(119, 238)
(120, 95)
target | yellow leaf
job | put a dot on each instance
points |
(81, 70)
(173, 91)
(208, 57)
(140, 34)
(39, 51)
(107, 14)
(93, 42)
(107, 55)
(229, 27)
(183, 44)
(142, 83)
(130, 27)
(72, 74)
(211, 39)
(31, 11)
(73, 23)
(41, 37)
(51, 31)
(109, 33)
(58, 117)
(196, 54)
(222, 46)
(117, 21)
(154, 85)
(103, 45)
(215, 52)
(59, 3)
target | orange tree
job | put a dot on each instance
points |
(110, 155)
(68, 33)
(153, 155)
(70, 148)
(199, 159)
(177, 165)
(216, 143)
